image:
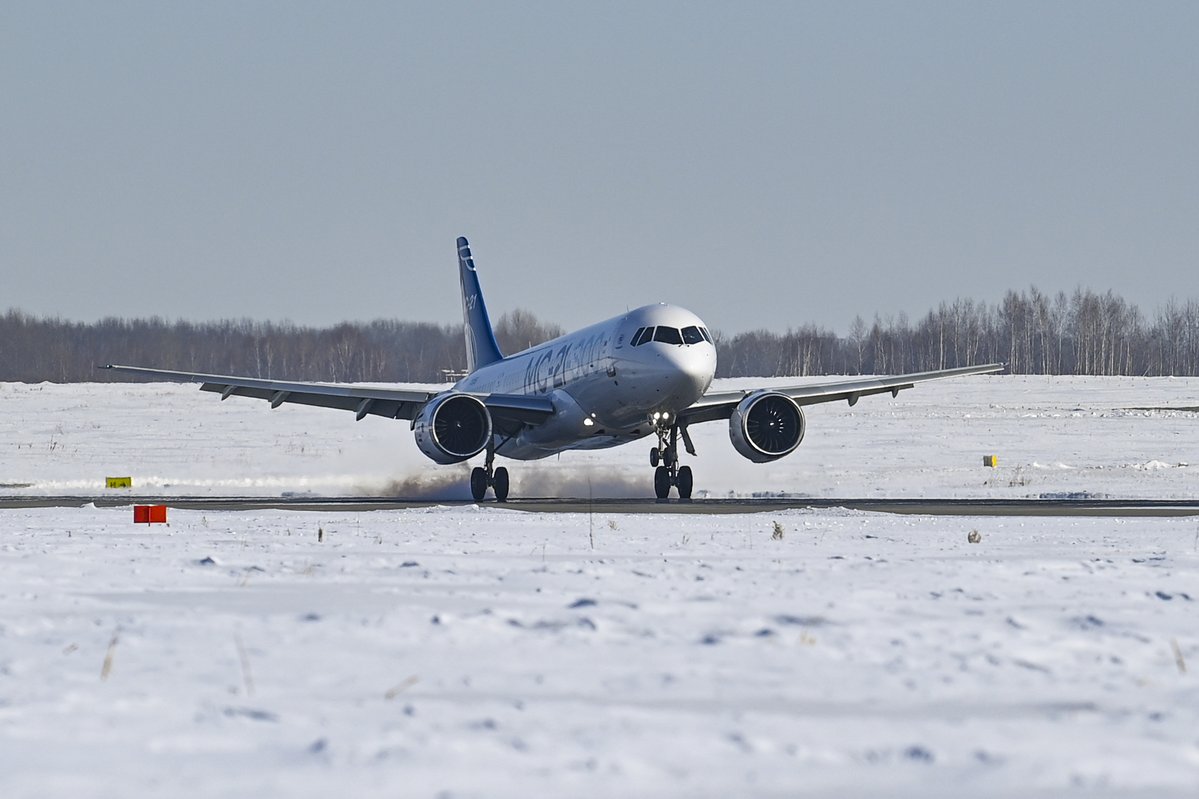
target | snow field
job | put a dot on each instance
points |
(1063, 435)
(484, 652)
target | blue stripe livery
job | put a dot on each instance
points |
(481, 346)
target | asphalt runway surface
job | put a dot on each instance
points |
(1051, 506)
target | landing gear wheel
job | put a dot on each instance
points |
(662, 482)
(478, 483)
(499, 484)
(665, 460)
(684, 481)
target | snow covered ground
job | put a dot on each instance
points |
(488, 652)
(1052, 435)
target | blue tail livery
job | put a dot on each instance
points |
(481, 347)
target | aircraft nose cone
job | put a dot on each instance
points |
(696, 366)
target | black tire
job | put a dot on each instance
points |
(669, 456)
(499, 484)
(685, 482)
(662, 482)
(478, 483)
(653, 457)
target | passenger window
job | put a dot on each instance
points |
(668, 335)
(643, 335)
(707, 337)
(691, 335)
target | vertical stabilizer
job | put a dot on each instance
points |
(481, 347)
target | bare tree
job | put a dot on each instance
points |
(1080, 333)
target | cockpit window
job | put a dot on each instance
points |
(692, 334)
(668, 335)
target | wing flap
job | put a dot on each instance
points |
(362, 405)
(509, 412)
(363, 400)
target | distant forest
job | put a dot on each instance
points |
(1033, 333)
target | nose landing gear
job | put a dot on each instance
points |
(664, 458)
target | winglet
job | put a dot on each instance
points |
(481, 346)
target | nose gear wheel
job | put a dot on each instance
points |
(665, 460)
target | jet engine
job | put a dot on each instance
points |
(765, 426)
(452, 428)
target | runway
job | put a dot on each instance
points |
(1054, 506)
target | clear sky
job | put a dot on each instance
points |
(763, 164)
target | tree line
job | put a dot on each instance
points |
(1083, 333)
(39, 349)
(1033, 333)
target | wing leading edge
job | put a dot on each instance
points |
(508, 411)
(720, 404)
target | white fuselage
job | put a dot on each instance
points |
(604, 389)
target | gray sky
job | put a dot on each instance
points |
(763, 164)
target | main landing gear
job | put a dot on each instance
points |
(665, 460)
(485, 477)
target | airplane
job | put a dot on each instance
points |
(645, 373)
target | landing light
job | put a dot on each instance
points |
(588, 422)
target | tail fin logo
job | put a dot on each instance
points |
(464, 254)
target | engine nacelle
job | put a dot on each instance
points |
(452, 428)
(765, 426)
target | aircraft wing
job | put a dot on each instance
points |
(720, 404)
(508, 411)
